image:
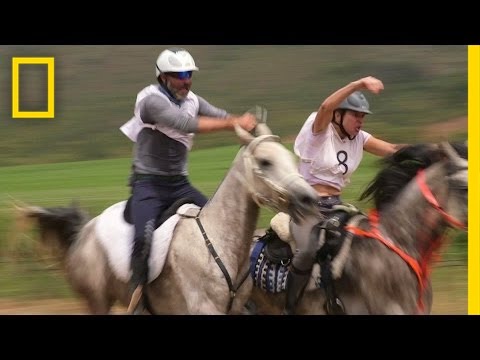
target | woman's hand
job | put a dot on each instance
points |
(372, 84)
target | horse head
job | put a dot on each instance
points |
(456, 206)
(271, 175)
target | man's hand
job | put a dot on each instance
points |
(247, 121)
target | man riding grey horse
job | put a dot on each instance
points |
(166, 118)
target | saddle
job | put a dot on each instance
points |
(333, 228)
(172, 210)
(273, 253)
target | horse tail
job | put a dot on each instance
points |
(58, 227)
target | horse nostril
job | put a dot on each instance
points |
(308, 203)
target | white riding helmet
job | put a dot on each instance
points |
(174, 60)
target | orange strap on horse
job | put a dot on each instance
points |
(374, 233)
(427, 193)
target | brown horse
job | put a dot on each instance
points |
(202, 271)
(383, 264)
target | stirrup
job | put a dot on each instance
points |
(135, 300)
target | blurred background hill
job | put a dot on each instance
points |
(425, 96)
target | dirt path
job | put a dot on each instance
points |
(47, 307)
(442, 305)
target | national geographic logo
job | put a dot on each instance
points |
(50, 101)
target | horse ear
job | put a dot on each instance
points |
(448, 149)
(262, 129)
(243, 134)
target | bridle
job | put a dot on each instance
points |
(432, 200)
(279, 200)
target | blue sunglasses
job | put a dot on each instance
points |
(182, 75)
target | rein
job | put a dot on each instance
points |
(420, 268)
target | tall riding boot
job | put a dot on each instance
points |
(296, 282)
(139, 266)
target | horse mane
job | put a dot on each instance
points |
(401, 167)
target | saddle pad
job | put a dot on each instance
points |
(266, 275)
(272, 277)
(116, 237)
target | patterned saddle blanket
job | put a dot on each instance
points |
(267, 275)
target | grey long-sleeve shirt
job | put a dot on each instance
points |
(156, 153)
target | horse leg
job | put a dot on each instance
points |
(97, 300)
(296, 282)
(202, 305)
(98, 306)
(241, 300)
(202, 302)
(88, 271)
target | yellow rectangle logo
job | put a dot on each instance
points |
(50, 62)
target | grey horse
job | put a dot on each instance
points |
(384, 263)
(203, 269)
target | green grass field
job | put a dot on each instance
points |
(97, 184)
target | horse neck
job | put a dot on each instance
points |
(411, 222)
(232, 212)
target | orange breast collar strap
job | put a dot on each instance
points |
(374, 233)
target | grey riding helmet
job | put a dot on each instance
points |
(356, 102)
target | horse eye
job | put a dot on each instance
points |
(264, 163)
